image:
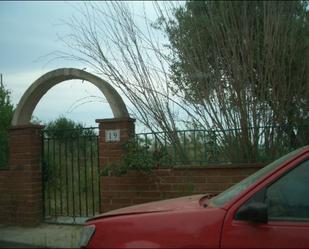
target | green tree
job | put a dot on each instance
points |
(6, 114)
(245, 63)
(63, 127)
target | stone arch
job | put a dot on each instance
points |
(30, 99)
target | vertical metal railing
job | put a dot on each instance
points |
(71, 175)
(255, 144)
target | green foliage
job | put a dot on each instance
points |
(202, 36)
(243, 64)
(64, 128)
(143, 158)
(140, 157)
(6, 114)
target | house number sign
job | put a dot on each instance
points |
(112, 135)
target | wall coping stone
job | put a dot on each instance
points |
(24, 127)
(220, 166)
(112, 120)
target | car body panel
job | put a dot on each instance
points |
(187, 202)
(181, 228)
(274, 234)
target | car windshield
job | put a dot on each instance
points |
(236, 189)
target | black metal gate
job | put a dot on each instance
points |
(71, 190)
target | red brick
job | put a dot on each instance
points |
(163, 172)
(174, 179)
(124, 187)
(150, 195)
(124, 201)
(196, 179)
(136, 201)
(218, 179)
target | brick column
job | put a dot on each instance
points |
(111, 148)
(24, 203)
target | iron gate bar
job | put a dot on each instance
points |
(79, 185)
(54, 178)
(43, 175)
(98, 173)
(194, 144)
(85, 170)
(92, 178)
(49, 190)
(67, 180)
(205, 146)
(72, 178)
(59, 153)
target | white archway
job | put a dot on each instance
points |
(30, 99)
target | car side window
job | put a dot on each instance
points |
(288, 198)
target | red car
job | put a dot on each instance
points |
(269, 209)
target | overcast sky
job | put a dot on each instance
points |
(29, 32)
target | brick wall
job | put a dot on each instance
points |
(21, 183)
(21, 201)
(135, 188)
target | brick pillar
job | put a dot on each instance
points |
(24, 179)
(110, 146)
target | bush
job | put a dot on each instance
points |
(6, 114)
(138, 157)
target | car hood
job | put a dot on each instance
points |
(187, 202)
